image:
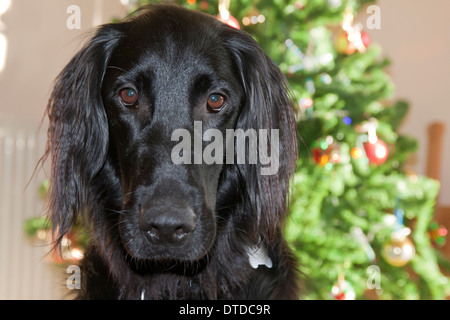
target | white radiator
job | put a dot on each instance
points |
(24, 272)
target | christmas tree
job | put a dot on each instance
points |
(360, 225)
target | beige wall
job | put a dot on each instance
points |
(415, 35)
(39, 46)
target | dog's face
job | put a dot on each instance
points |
(115, 116)
(155, 84)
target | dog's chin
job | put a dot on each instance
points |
(170, 257)
(167, 265)
(185, 263)
(138, 249)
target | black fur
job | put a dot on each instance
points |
(111, 164)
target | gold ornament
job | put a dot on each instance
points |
(400, 250)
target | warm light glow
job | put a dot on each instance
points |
(4, 6)
(356, 153)
(380, 151)
(336, 157)
(76, 254)
(224, 7)
(324, 160)
(307, 102)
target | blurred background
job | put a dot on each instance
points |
(36, 43)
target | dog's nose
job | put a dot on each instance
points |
(161, 226)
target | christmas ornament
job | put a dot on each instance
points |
(437, 233)
(351, 38)
(342, 290)
(399, 250)
(365, 38)
(225, 16)
(377, 152)
(231, 21)
(326, 152)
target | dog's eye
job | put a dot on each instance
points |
(129, 97)
(216, 102)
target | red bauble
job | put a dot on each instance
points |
(231, 21)
(317, 154)
(376, 152)
(365, 38)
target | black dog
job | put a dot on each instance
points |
(159, 229)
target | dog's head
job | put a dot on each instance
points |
(173, 129)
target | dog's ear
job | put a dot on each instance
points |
(268, 105)
(78, 132)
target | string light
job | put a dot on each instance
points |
(246, 21)
(306, 102)
(347, 120)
